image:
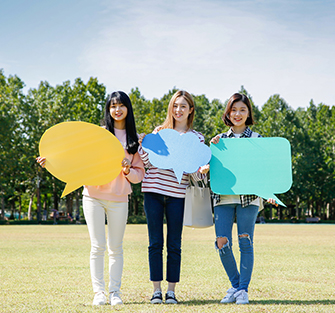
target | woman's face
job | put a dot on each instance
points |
(239, 113)
(118, 111)
(181, 110)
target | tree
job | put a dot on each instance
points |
(277, 119)
(47, 106)
(24, 118)
(11, 145)
(318, 169)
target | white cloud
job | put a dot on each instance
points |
(207, 47)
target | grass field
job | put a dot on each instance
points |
(46, 269)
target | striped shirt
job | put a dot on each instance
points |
(165, 182)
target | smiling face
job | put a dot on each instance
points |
(181, 110)
(239, 114)
(118, 112)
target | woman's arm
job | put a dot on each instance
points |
(144, 155)
(205, 169)
(136, 170)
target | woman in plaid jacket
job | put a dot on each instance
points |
(238, 116)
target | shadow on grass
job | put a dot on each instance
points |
(264, 302)
(293, 302)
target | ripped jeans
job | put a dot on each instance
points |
(246, 218)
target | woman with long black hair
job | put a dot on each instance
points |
(112, 200)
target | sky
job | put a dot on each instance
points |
(209, 47)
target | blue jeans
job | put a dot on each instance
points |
(155, 205)
(246, 218)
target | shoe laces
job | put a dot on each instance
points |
(170, 293)
(99, 296)
(231, 290)
(240, 293)
(157, 293)
(115, 294)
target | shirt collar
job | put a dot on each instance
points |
(246, 133)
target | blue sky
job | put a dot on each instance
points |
(209, 47)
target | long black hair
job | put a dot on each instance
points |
(119, 97)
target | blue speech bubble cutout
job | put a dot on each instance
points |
(251, 166)
(168, 149)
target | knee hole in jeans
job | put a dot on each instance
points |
(221, 241)
(245, 236)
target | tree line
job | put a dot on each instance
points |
(26, 187)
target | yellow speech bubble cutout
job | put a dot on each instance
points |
(81, 153)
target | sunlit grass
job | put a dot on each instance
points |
(46, 269)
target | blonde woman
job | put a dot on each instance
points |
(164, 195)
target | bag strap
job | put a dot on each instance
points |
(192, 182)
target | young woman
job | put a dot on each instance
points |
(112, 200)
(238, 115)
(163, 194)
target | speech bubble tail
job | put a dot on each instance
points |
(273, 197)
(179, 174)
(69, 188)
(279, 202)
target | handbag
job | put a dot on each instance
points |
(198, 206)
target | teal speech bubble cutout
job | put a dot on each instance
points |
(251, 166)
(168, 149)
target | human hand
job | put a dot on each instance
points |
(126, 166)
(41, 161)
(272, 201)
(140, 138)
(204, 169)
(215, 139)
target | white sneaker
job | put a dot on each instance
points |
(229, 297)
(170, 297)
(241, 297)
(157, 297)
(114, 298)
(99, 298)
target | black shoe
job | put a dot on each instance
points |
(170, 298)
(157, 297)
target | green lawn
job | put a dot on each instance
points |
(46, 269)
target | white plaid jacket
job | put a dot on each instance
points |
(245, 199)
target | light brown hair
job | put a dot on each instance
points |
(169, 121)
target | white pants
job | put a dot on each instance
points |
(117, 213)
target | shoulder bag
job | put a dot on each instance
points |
(198, 205)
